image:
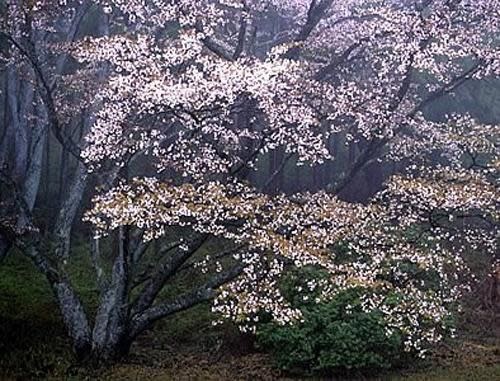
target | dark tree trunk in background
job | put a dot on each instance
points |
(21, 97)
(36, 151)
(5, 131)
(4, 248)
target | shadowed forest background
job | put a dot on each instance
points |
(249, 190)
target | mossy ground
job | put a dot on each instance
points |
(186, 347)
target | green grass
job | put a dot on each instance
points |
(22, 289)
(32, 342)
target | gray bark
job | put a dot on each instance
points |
(95, 254)
(20, 98)
(68, 211)
(34, 169)
(68, 302)
(110, 329)
(167, 269)
(5, 130)
(143, 320)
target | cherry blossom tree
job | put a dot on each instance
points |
(196, 95)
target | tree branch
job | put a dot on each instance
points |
(143, 320)
(316, 12)
(47, 97)
(165, 271)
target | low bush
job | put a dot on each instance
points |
(335, 337)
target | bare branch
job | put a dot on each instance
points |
(143, 320)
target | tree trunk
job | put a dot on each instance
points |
(68, 302)
(109, 337)
(34, 169)
(74, 318)
(110, 352)
(20, 104)
(4, 248)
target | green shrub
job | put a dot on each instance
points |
(335, 337)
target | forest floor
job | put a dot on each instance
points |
(186, 347)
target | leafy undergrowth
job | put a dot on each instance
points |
(187, 347)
